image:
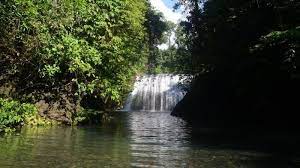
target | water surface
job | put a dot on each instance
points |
(132, 139)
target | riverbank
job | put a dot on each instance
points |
(14, 115)
(242, 97)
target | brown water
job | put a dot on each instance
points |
(133, 139)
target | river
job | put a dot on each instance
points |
(131, 139)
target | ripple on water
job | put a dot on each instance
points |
(137, 139)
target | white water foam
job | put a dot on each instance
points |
(159, 92)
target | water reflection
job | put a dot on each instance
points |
(157, 139)
(64, 147)
(133, 139)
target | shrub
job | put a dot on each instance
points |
(14, 114)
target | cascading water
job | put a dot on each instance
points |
(155, 93)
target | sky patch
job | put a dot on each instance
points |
(166, 7)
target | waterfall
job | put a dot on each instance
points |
(155, 93)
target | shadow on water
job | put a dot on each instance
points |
(134, 139)
(263, 149)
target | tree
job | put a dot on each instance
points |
(244, 54)
(156, 27)
(176, 58)
(72, 53)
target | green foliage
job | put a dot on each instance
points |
(37, 120)
(176, 58)
(14, 113)
(246, 54)
(292, 34)
(79, 48)
(90, 116)
(156, 28)
(221, 32)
